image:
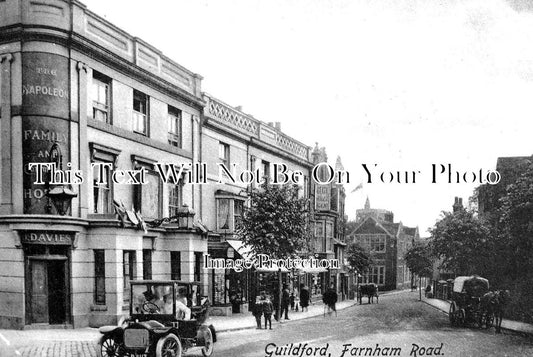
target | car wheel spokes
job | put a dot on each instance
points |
(170, 349)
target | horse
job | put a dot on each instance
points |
(492, 305)
(370, 290)
(502, 299)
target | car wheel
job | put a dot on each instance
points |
(168, 346)
(207, 349)
(109, 347)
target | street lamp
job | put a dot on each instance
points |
(60, 195)
(185, 217)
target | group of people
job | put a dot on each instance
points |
(162, 299)
(267, 306)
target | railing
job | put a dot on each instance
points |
(248, 125)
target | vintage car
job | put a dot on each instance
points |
(166, 319)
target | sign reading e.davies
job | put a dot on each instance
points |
(47, 237)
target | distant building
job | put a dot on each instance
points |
(387, 243)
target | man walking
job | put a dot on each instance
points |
(285, 302)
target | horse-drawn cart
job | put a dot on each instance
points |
(467, 306)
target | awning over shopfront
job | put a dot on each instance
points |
(271, 270)
(312, 270)
(239, 247)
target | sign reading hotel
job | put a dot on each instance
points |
(322, 197)
(45, 119)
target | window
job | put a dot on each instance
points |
(266, 170)
(148, 197)
(238, 209)
(129, 270)
(174, 127)
(101, 97)
(223, 213)
(223, 154)
(375, 243)
(175, 197)
(140, 113)
(147, 264)
(99, 277)
(197, 265)
(376, 275)
(102, 188)
(175, 265)
(103, 161)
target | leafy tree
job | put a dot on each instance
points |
(462, 243)
(358, 258)
(275, 223)
(515, 239)
(418, 260)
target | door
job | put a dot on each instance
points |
(56, 292)
(48, 291)
(39, 291)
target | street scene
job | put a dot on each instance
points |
(266, 178)
(399, 321)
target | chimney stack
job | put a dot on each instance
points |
(458, 204)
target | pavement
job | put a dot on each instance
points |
(509, 325)
(82, 341)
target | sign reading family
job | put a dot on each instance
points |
(197, 173)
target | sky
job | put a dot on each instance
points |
(396, 85)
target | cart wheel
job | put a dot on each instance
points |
(453, 314)
(168, 346)
(207, 349)
(109, 347)
(489, 320)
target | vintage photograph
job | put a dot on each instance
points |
(266, 178)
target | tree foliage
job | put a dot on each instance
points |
(276, 222)
(358, 258)
(419, 261)
(462, 242)
(515, 233)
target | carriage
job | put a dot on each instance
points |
(467, 305)
(159, 323)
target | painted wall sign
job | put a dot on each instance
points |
(45, 85)
(47, 237)
(322, 197)
(45, 108)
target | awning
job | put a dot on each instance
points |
(243, 250)
(338, 242)
(271, 270)
(313, 270)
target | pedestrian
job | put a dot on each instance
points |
(285, 302)
(257, 310)
(304, 298)
(268, 308)
(291, 299)
(275, 303)
(330, 299)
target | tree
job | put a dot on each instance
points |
(462, 242)
(418, 260)
(358, 258)
(275, 223)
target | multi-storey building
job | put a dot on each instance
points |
(387, 242)
(241, 142)
(329, 220)
(77, 91)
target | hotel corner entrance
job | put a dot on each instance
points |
(47, 257)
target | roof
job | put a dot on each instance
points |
(473, 285)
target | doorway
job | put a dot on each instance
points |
(47, 289)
